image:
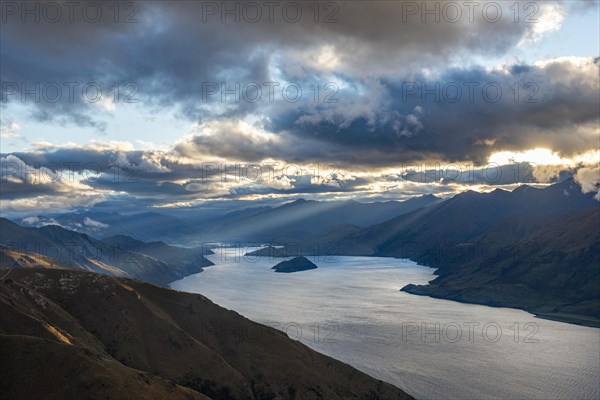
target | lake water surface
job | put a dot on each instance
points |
(351, 309)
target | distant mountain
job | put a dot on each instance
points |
(79, 335)
(428, 233)
(212, 222)
(147, 226)
(291, 221)
(81, 251)
(553, 271)
(184, 257)
(305, 218)
(473, 237)
(273, 251)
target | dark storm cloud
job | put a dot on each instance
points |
(409, 129)
(70, 159)
(465, 115)
(38, 175)
(157, 175)
(174, 48)
(376, 52)
(489, 175)
(128, 171)
(169, 49)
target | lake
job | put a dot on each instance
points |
(351, 309)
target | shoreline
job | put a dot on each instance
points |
(574, 319)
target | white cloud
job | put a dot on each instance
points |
(589, 179)
(94, 224)
(9, 130)
(30, 220)
(548, 18)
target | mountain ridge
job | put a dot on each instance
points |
(151, 341)
(297, 220)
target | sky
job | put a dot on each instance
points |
(191, 104)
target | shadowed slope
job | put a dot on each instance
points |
(553, 271)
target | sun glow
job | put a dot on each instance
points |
(540, 156)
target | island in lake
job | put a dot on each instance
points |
(295, 265)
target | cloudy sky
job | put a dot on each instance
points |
(166, 105)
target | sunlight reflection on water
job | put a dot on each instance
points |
(353, 310)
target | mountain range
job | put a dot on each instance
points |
(80, 334)
(532, 248)
(291, 221)
(146, 226)
(124, 256)
(300, 219)
(482, 244)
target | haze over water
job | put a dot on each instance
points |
(350, 308)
